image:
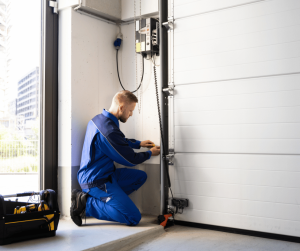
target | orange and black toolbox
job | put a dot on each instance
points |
(21, 221)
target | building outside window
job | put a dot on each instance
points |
(20, 51)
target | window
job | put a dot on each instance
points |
(28, 96)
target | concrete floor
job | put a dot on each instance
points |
(95, 235)
(186, 238)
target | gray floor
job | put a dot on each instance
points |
(187, 238)
(93, 234)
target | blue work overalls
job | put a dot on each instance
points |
(107, 186)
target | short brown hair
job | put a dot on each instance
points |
(126, 97)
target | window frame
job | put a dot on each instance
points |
(49, 98)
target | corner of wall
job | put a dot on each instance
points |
(64, 111)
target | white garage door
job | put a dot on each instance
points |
(237, 113)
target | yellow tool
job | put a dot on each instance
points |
(44, 207)
(24, 209)
(17, 210)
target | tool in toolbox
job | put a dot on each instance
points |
(25, 209)
(23, 221)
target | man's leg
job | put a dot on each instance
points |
(113, 204)
(129, 179)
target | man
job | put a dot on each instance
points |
(105, 188)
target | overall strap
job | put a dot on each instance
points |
(95, 183)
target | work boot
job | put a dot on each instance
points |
(77, 208)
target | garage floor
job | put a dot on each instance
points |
(95, 235)
(186, 238)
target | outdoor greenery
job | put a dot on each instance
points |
(18, 154)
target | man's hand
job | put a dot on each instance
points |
(155, 150)
(147, 143)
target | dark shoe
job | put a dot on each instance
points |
(78, 206)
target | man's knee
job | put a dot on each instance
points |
(140, 177)
(143, 176)
(135, 218)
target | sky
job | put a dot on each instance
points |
(25, 39)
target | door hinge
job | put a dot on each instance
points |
(170, 157)
(170, 24)
(54, 5)
(169, 90)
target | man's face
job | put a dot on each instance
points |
(126, 111)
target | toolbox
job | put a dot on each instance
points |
(36, 218)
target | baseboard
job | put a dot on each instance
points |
(240, 231)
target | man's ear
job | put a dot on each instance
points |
(121, 107)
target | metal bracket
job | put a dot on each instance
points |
(169, 25)
(54, 5)
(169, 90)
(170, 157)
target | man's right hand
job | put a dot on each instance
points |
(155, 150)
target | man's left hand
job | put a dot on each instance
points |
(147, 143)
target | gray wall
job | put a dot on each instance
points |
(147, 198)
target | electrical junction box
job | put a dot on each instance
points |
(147, 36)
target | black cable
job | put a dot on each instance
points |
(119, 74)
(160, 127)
(171, 192)
(159, 114)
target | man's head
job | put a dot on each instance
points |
(123, 105)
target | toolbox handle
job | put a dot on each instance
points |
(21, 194)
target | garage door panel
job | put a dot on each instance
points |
(243, 207)
(241, 101)
(239, 43)
(258, 69)
(260, 146)
(262, 224)
(288, 163)
(237, 113)
(229, 205)
(193, 7)
(262, 131)
(226, 50)
(217, 26)
(209, 4)
(242, 116)
(239, 176)
(238, 87)
(237, 191)
(231, 191)
(238, 57)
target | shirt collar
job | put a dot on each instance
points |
(112, 117)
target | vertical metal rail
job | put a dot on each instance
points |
(171, 80)
(49, 100)
(163, 52)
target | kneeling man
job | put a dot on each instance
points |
(105, 189)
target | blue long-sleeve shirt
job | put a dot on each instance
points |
(104, 143)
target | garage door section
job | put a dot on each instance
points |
(237, 113)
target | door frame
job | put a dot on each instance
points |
(49, 97)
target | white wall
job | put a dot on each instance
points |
(110, 9)
(148, 8)
(118, 10)
(87, 82)
(237, 77)
(94, 81)
(64, 109)
(143, 125)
